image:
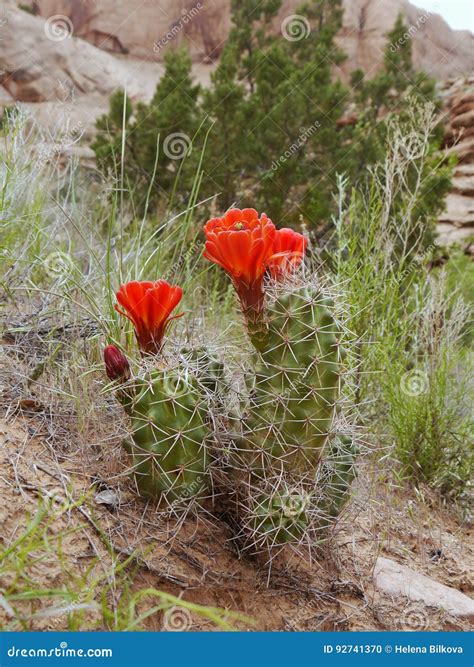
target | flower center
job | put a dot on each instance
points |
(238, 226)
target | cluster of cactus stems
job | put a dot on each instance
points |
(288, 466)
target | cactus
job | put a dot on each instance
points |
(169, 432)
(296, 383)
(167, 406)
(286, 426)
(338, 473)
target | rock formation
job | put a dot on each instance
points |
(147, 29)
(41, 66)
(457, 221)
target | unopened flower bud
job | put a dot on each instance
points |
(116, 364)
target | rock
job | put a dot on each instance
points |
(459, 210)
(108, 497)
(465, 119)
(35, 68)
(463, 103)
(463, 185)
(456, 223)
(149, 29)
(462, 170)
(464, 150)
(367, 22)
(449, 234)
(395, 579)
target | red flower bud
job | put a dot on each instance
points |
(116, 364)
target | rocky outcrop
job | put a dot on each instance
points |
(147, 29)
(36, 67)
(456, 223)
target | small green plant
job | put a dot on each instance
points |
(413, 376)
(428, 396)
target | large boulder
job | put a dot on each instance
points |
(40, 62)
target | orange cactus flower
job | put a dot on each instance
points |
(148, 305)
(242, 243)
(289, 248)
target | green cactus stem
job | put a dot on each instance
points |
(338, 473)
(168, 413)
(278, 518)
(296, 384)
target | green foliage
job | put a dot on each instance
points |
(284, 160)
(255, 149)
(269, 120)
(224, 101)
(414, 372)
(429, 405)
(108, 143)
(156, 138)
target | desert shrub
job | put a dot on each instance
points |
(413, 377)
(427, 389)
(390, 94)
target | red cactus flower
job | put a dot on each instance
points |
(289, 248)
(116, 364)
(242, 244)
(148, 306)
